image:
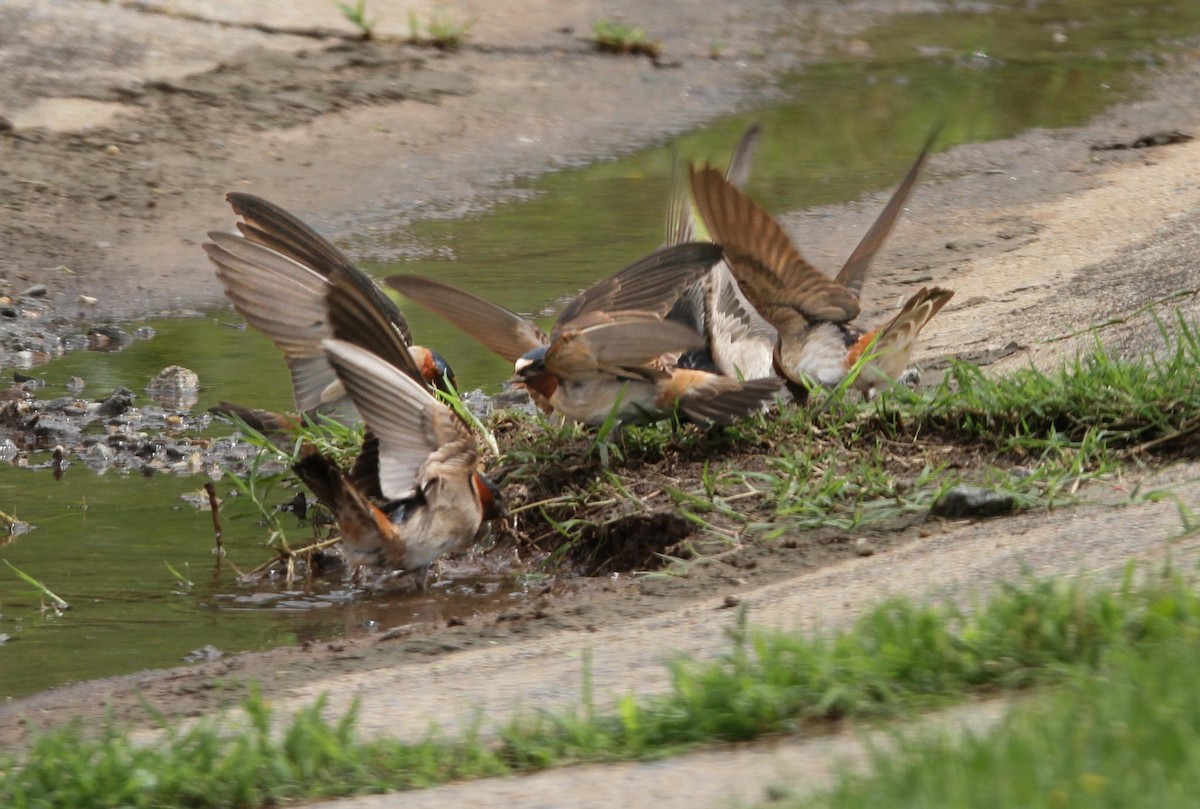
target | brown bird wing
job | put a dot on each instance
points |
(740, 340)
(413, 428)
(899, 335)
(628, 343)
(769, 269)
(743, 153)
(504, 332)
(854, 272)
(354, 317)
(271, 226)
(651, 284)
(285, 301)
(681, 226)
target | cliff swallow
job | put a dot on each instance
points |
(277, 274)
(813, 313)
(739, 342)
(427, 466)
(611, 350)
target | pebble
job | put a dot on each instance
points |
(204, 654)
(174, 379)
(108, 338)
(972, 501)
(99, 452)
(88, 300)
(112, 149)
(115, 405)
(175, 387)
(75, 384)
(35, 291)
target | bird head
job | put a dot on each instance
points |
(490, 499)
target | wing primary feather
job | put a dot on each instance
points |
(399, 411)
(650, 284)
(355, 318)
(854, 272)
(504, 332)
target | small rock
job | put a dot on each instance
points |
(115, 405)
(35, 291)
(75, 384)
(99, 452)
(175, 387)
(479, 403)
(88, 300)
(862, 546)
(108, 338)
(145, 333)
(174, 379)
(204, 654)
(103, 245)
(5, 124)
(972, 501)
(112, 149)
(729, 602)
(402, 631)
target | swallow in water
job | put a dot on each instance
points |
(277, 274)
(611, 350)
(813, 314)
(428, 468)
(419, 458)
(739, 343)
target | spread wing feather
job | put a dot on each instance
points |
(651, 284)
(409, 424)
(504, 332)
(769, 269)
(854, 272)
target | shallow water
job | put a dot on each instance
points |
(103, 542)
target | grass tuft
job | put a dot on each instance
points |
(611, 36)
(897, 658)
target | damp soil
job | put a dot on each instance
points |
(1040, 236)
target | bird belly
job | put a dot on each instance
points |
(449, 521)
(821, 356)
(592, 401)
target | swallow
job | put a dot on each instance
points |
(611, 351)
(419, 458)
(277, 274)
(813, 313)
(437, 500)
(739, 343)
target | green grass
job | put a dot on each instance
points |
(837, 464)
(1128, 404)
(356, 15)
(58, 603)
(898, 658)
(1125, 735)
(440, 31)
(611, 36)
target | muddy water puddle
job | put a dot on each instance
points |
(134, 558)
